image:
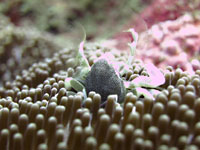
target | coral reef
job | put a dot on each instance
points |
(163, 10)
(158, 11)
(172, 42)
(59, 17)
(175, 43)
(37, 113)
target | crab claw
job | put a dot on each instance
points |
(156, 78)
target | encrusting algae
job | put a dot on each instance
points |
(37, 111)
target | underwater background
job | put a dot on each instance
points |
(99, 75)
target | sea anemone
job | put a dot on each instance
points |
(37, 111)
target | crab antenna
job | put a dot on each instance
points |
(80, 53)
(133, 44)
